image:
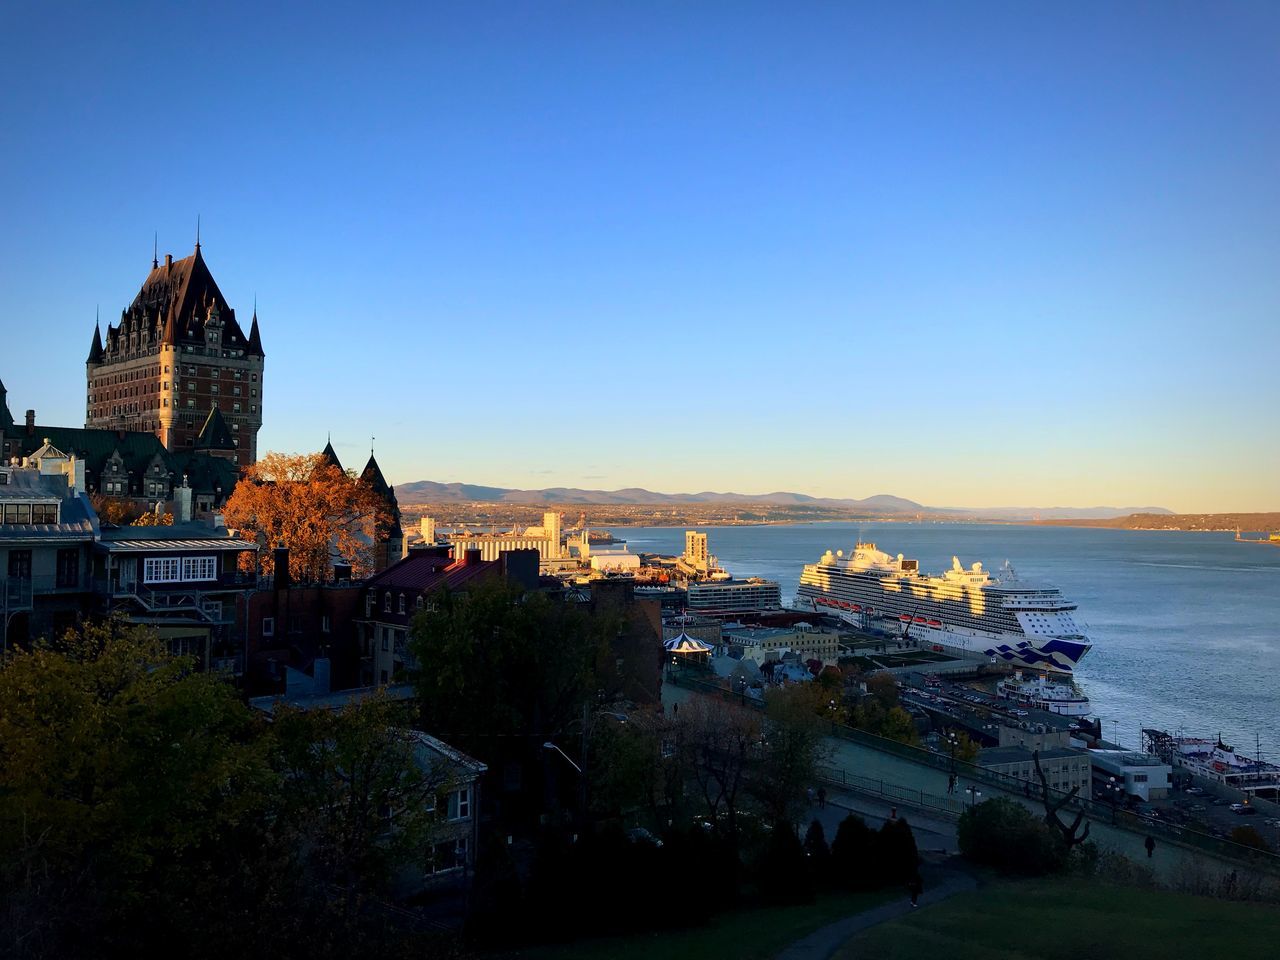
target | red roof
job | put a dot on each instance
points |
(424, 572)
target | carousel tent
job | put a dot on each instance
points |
(686, 645)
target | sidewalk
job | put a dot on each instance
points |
(933, 834)
(940, 883)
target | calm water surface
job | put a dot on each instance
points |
(1185, 626)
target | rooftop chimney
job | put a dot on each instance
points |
(472, 557)
(31, 423)
(168, 260)
(281, 565)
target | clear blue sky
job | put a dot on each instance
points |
(968, 253)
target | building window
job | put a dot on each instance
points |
(268, 626)
(324, 623)
(179, 569)
(401, 604)
(418, 603)
(386, 602)
(162, 570)
(386, 639)
(20, 564)
(460, 804)
(68, 568)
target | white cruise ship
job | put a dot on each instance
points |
(1024, 623)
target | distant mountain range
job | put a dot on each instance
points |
(430, 491)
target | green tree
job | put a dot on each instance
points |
(817, 853)
(501, 673)
(133, 787)
(623, 767)
(1002, 833)
(853, 854)
(360, 797)
(897, 856)
(793, 747)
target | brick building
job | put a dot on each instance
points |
(178, 353)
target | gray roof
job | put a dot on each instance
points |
(151, 545)
(1014, 754)
(76, 519)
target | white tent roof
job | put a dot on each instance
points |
(686, 644)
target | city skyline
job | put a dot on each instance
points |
(1012, 260)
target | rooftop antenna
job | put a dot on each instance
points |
(371, 439)
(197, 231)
(155, 250)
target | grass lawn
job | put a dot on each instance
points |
(743, 935)
(1073, 920)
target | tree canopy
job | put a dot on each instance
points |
(305, 503)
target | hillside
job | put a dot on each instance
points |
(882, 504)
(1248, 522)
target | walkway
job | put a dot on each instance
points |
(939, 884)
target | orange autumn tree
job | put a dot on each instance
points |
(305, 503)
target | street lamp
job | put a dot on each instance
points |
(1113, 795)
(951, 777)
(975, 796)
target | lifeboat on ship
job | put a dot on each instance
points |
(922, 620)
(936, 624)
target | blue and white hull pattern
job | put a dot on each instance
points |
(1022, 623)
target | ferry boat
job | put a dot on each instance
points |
(1043, 694)
(1023, 623)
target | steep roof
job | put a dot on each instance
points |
(95, 349)
(254, 349)
(214, 435)
(174, 303)
(331, 455)
(6, 418)
(372, 474)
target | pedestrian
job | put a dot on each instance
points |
(809, 794)
(916, 887)
(1150, 845)
(822, 798)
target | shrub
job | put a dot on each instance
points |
(817, 854)
(898, 858)
(853, 854)
(1002, 833)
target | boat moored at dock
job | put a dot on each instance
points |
(1022, 623)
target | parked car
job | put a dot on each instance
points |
(1243, 809)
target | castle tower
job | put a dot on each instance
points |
(177, 354)
(389, 539)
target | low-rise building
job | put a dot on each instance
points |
(1064, 768)
(47, 530)
(182, 580)
(734, 598)
(1138, 774)
(769, 643)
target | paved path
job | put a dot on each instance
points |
(940, 883)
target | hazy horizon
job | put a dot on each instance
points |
(979, 255)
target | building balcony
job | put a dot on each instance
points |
(20, 593)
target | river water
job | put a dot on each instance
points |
(1185, 626)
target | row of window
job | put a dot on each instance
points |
(29, 513)
(179, 569)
